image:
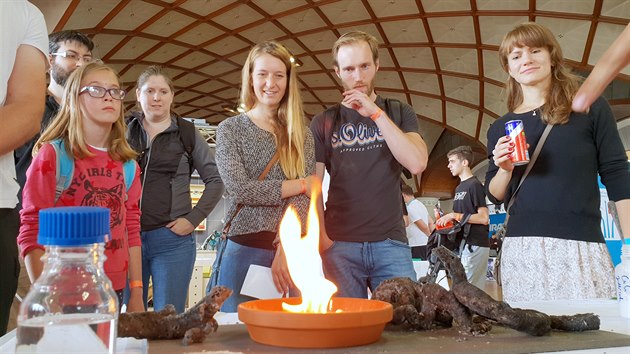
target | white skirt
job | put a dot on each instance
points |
(545, 268)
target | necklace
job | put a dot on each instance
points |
(525, 110)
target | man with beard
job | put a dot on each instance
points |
(67, 50)
(364, 149)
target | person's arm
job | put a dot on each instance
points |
(623, 211)
(500, 166)
(280, 271)
(324, 241)
(39, 193)
(135, 303)
(431, 225)
(23, 108)
(481, 217)
(423, 226)
(132, 223)
(34, 264)
(409, 148)
(204, 163)
(498, 185)
(608, 66)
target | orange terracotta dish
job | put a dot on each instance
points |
(350, 322)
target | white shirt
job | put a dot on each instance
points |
(20, 23)
(417, 211)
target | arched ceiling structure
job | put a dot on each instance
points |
(440, 56)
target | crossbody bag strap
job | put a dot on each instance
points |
(539, 146)
(262, 176)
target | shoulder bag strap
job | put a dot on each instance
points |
(261, 177)
(539, 146)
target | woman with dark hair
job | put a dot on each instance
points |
(273, 123)
(554, 247)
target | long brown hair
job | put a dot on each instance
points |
(564, 84)
(68, 123)
(290, 131)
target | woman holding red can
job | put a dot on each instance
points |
(554, 247)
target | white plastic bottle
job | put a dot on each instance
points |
(72, 307)
(622, 275)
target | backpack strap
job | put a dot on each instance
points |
(129, 171)
(393, 107)
(330, 125)
(188, 138)
(64, 169)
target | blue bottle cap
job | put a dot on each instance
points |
(73, 226)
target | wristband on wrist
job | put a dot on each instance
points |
(303, 185)
(376, 114)
(135, 284)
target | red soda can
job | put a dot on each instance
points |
(515, 130)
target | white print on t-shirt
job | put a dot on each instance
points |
(375, 146)
(354, 136)
(460, 195)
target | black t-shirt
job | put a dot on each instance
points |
(364, 198)
(23, 155)
(469, 197)
(560, 197)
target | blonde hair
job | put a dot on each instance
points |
(352, 38)
(290, 129)
(564, 84)
(68, 123)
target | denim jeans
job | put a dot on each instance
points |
(356, 266)
(234, 266)
(168, 259)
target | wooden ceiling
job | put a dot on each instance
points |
(440, 56)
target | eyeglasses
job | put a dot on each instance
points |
(74, 56)
(99, 92)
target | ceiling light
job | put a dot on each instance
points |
(295, 61)
(228, 109)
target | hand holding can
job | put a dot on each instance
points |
(515, 130)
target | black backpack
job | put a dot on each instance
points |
(187, 137)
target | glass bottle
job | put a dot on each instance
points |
(622, 275)
(72, 307)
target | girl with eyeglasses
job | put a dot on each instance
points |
(90, 129)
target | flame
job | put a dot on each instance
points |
(304, 261)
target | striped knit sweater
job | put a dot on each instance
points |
(242, 153)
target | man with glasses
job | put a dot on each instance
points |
(68, 50)
(22, 82)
